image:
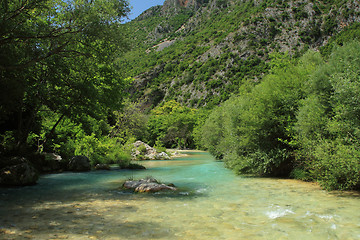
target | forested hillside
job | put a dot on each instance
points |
(199, 54)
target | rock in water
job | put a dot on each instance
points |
(20, 174)
(79, 164)
(153, 187)
(148, 185)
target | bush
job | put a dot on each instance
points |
(328, 126)
(301, 121)
(104, 150)
(119, 156)
(337, 166)
(172, 125)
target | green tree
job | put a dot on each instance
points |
(254, 132)
(172, 124)
(130, 122)
(328, 122)
(58, 56)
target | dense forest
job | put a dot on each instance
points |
(269, 87)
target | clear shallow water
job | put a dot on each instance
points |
(212, 203)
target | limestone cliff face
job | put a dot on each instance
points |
(223, 56)
(172, 7)
(176, 4)
(149, 13)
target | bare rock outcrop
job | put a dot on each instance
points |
(143, 151)
(148, 185)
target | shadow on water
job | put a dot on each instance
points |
(63, 212)
(75, 205)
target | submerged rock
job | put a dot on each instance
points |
(79, 164)
(148, 185)
(135, 166)
(21, 173)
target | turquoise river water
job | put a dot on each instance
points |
(212, 203)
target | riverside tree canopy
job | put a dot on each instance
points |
(58, 56)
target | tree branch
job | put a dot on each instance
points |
(57, 50)
(49, 36)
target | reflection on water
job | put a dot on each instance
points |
(212, 203)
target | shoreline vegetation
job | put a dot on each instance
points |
(23, 171)
(178, 153)
(301, 121)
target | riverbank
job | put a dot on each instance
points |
(176, 153)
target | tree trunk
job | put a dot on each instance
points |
(51, 133)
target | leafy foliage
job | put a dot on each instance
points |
(258, 126)
(350, 32)
(58, 57)
(129, 122)
(172, 125)
(328, 121)
(301, 121)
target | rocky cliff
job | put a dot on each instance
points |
(175, 4)
(205, 56)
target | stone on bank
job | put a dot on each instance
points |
(20, 173)
(143, 151)
(79, 164)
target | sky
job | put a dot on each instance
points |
(139, 6)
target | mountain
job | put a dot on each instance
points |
(176, 4)
(199, 52)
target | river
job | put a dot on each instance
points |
(212, 203)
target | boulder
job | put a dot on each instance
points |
(162, 156)
(148, 185)
(22, 173)
(143, 151)
(47, 162)
(10, 161)
(79, 164)
(52, 163)
(102, 166)
(153, 187)
(138, 144)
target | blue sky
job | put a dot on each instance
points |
(139, 6)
